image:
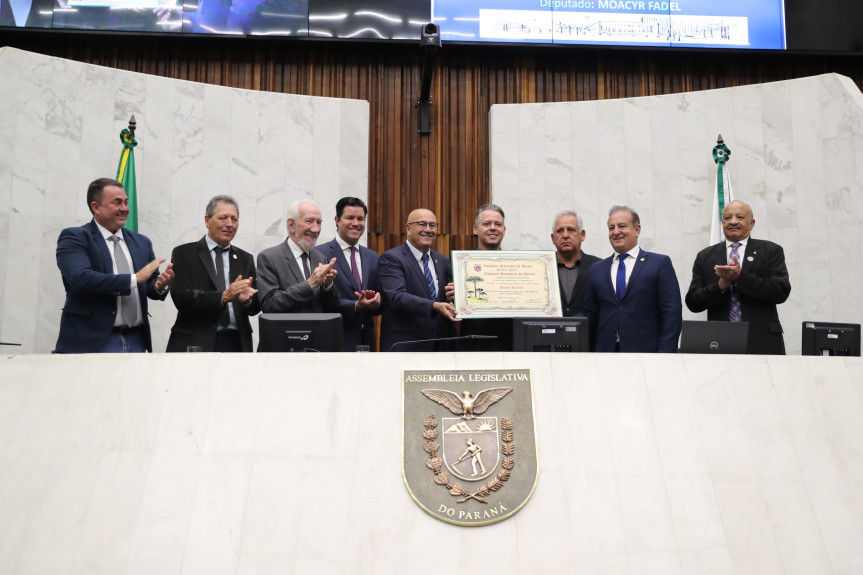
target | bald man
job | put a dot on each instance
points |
(413, 280)
(742, 279)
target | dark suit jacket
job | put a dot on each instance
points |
(763, 283)
(282, 287)
(649, 316)
(92, 287)
(199, 300)
(572, 306)
(358, 327)
(407, 308)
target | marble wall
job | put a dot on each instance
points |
(796, 158)
(649, 464)
(59, 130)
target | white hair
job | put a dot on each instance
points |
(294, 208)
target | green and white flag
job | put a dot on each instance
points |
(722, 195)
(126, 176)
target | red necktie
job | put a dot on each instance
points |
(355, 270)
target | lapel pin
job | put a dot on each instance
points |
(642, 259)
(235, 256)
(750, 259)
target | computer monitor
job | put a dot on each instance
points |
(568, 334)
(300, 332)
(714, 337)
(822, 338)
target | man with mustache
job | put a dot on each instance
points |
(414, 296)
(294, 277)
(573, 265)
(742, 279)
(106, 298)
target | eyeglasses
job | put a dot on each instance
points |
(424, 225)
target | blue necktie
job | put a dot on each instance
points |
(621, 276)
(429, 279)
(734, 312)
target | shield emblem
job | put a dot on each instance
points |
(469, 446)
(477, 267)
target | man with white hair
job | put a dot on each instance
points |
(294, 277)
(573, 265)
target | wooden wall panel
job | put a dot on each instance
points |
(446, 171)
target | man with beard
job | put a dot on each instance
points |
(294, 277)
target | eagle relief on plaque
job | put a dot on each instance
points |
(469, 447)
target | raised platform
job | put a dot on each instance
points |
(241, 464)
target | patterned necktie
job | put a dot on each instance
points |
(621, 276)
(128, 306)
(354, 269)
(224, 316)
(734, 313)
(305, 258)
(429, 279)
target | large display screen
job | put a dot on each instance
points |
(374, 19)
(758, 24)
(799, 25)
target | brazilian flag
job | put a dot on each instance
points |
(126, 176)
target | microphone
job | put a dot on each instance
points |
(436, 339)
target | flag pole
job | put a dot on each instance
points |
(126, 172)
(722, 193)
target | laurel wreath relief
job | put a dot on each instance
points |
(435, 463)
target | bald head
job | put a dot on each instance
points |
(737, 221)
(421, 229)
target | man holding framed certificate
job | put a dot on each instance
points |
(490, 229)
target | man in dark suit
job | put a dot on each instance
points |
(106, 301)
(633, 298)
(294, 277)
(573, 265)
(490, 228)
(358, 275)
(413, 280)
(742, 279)
(212, 309)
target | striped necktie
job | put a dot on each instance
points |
(734, 313)
(429, 279)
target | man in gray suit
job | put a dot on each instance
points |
(294, 277)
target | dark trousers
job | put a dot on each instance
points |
(228, 341)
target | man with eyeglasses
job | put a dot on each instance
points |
(413, 279)
(358, 275)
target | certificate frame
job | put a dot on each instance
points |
(521, 283)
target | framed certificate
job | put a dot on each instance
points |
(506, 284)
